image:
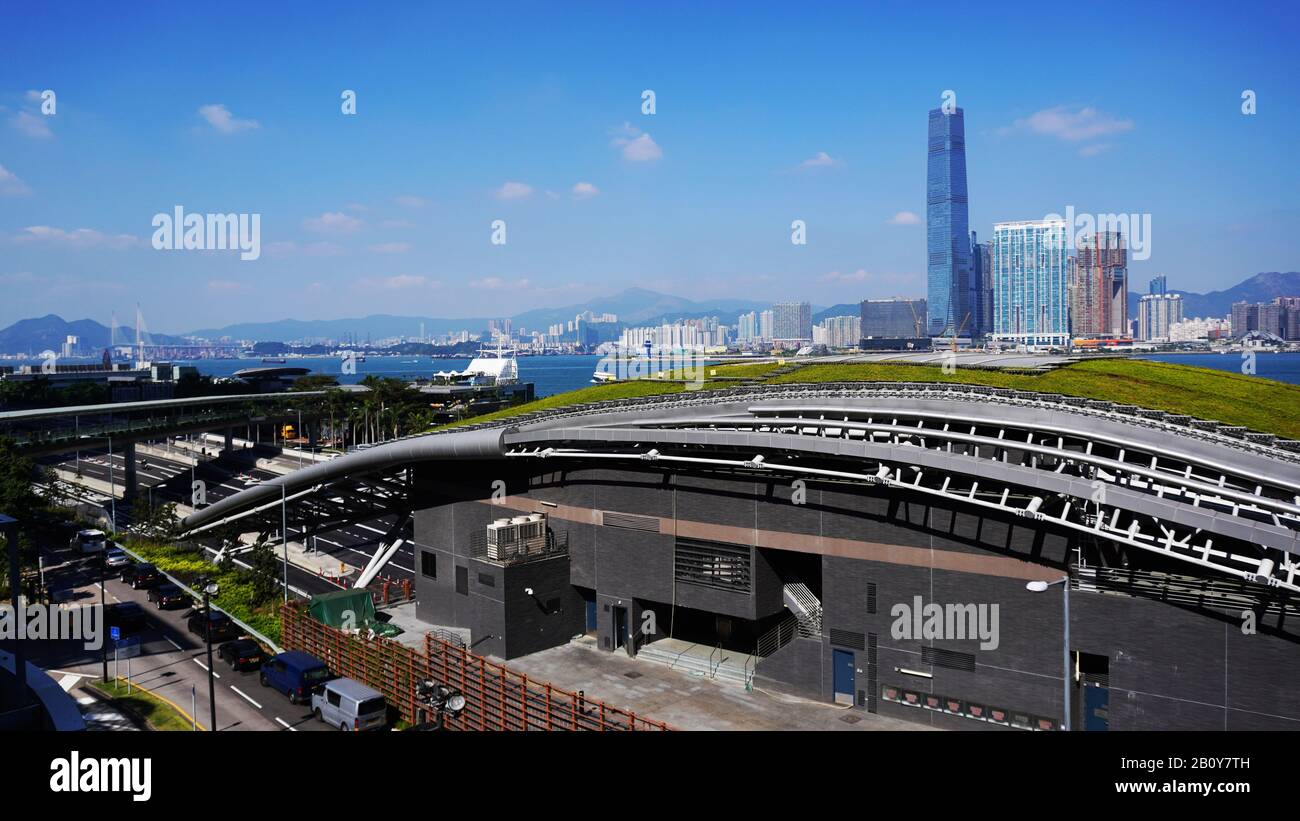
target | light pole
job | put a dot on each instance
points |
(9, 530)
(284, 537)
(112, 486)
(210, 589)
(443, 699)
(1039, 587)
(103, 608)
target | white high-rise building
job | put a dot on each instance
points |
(838, 332)
(1031, 302)
(1156, 313)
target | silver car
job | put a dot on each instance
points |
(349, 705)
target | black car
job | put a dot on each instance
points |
(222, 627)
(242, 654)
(141, 575)
(127, 616)
(168, 595)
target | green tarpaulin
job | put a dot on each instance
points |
(350, 610)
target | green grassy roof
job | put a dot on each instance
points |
(1231, 398)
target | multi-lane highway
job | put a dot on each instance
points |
(172, 661)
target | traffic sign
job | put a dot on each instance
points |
(128, 647)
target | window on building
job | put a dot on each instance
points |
(429, 564)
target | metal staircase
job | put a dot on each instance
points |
(805, 607)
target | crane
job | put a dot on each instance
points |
(956, 333)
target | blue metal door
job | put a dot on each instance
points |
(1096, 708)
(842, 662)
(592, 623)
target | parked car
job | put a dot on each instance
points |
(349, 705)
(223, 628)
(296, 674)
(242, 654)
(168, 595)
(86, 542)
(127, 616)
(116, 557)
(141, 575)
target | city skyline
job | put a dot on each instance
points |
(389, 211)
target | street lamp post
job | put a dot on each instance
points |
(209, 590)
(103, 606)
(9, 530)
(112, 486)
(1039, 587)
(284, 537)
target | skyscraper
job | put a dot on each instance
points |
(1099, 286)
(981, 288)
(947, 225)
(1156, 313)
(1030, 288)
(792, 321)
(893, 318)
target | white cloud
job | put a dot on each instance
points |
(410, 201)
(1072, 125)
(1093, 150)
(10, 185)
(220, 118)
(78, 238)
(862, 275)
(904, 218)
(391, 247)
(322, 249)
(311, 249)
(225, 285)
(17, 278)
(514, 191)
(395, 224)
(821, 160)
(32, 125)
(332, 222)
(498, 284)
(636, 146)
(397, 283)
(585, 191)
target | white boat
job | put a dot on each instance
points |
(490, 367)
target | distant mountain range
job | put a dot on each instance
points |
(47, 333)
(1263, 287)
(634, 306)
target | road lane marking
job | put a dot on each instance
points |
(245, 697)
(172, 643)
(205, 667)
(285, 725)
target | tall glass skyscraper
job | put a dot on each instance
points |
(947, 225)
(1031, 265)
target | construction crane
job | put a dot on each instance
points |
(958, 331)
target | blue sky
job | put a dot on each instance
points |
(766, 113)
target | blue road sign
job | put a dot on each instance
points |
(128, 647)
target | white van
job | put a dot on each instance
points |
(349, 705)
(88, 541)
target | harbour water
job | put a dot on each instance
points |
(1283, 367)
(549, 374)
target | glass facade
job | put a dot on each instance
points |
(947, 223)
(1031, 266)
